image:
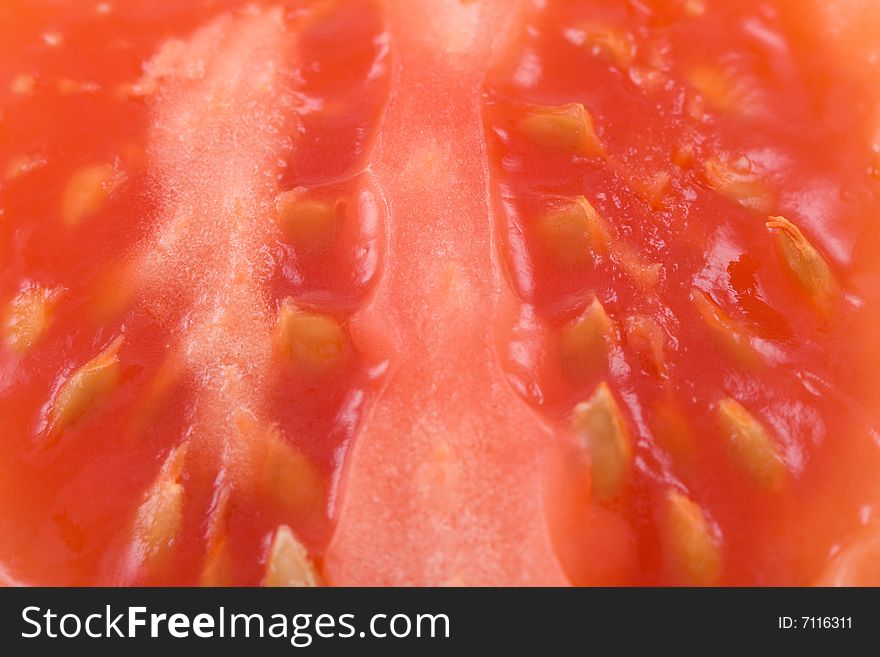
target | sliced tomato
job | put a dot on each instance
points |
(445, 293)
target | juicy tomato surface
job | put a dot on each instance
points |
(439, 292)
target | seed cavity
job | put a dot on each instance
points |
(289, 563)
(564, 127)
(86, 192)
(313, 342)
(751, 445)
(306, 222)
(600, 425)
(690, 542)
(87, 386)
(159, 518)
(728, 333)
(28, 316)
(735, 180)
(805, 263)
(585, 342)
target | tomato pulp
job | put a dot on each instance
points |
(416, 292)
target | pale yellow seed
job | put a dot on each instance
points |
(304, 221)
(584, 343)
(614, 44)
(689, 541)
(86, 192)
(28, 316)
(751, 445)
(564, 237)
(279, 470)
(160, 516)
(572, 232)
(600, 425)
(654, 188)
(648, 339)
(735, 180)
(217, 568)
(715, 86)
(85, 387)
(805, 263)
(314, 342)
(565, 127)
(597, 228)
(729, 334)
(644, 274)
(289, 563)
